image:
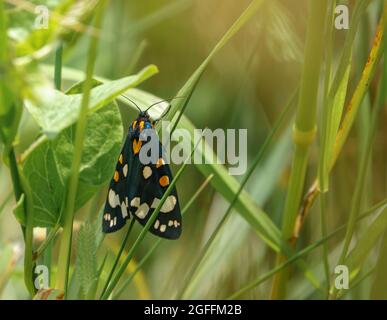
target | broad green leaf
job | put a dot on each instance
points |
(47, 166)
(55, 111)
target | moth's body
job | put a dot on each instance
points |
(136, 188)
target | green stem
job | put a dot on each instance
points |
(65, 248)
(48, 248)
(13, 167)
(47, 242)
(118, 257)
(304, 129)
(58, 67)
(323, 170)
(28, 229)
(29, 263)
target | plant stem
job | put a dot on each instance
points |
(47, 253)
(28, 229)
(304, 130)
(351, 112)
(13, 167)
(118, 257)
(58, 67)
(65, 248)
(326, 123)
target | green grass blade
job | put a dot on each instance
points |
(304, 130)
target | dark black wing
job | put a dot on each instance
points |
(151, 182)
(116, 210)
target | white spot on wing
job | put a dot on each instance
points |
(114, 199)
(156, 225)
(170, 223)
(124, 210)
(142, 211)
(125, 170)
(155, 203)
(163, 227)
(135, 202)
(146, 172)
(169, 204)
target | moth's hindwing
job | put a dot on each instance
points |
(116, 210)
(152, 181)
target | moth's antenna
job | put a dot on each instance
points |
(132, 102)
(166, 100)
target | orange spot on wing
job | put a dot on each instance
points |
(160, 162)
(134, 124)
(120, 159)
(141, 125)
(137, 146)
(116, 176)
(164, 181)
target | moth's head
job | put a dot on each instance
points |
(142, 122)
